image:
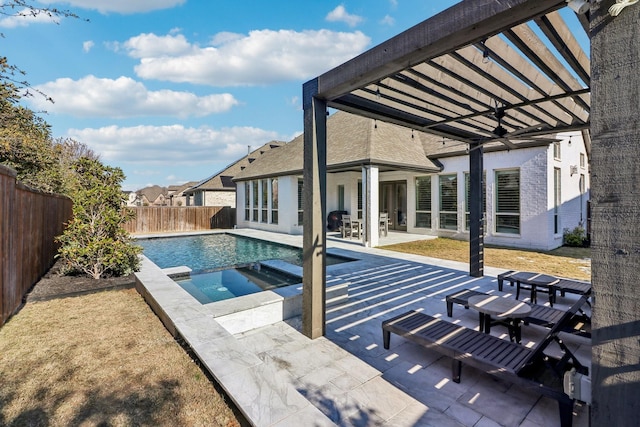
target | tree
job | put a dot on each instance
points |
(95, 242)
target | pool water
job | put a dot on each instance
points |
(214, 251)
(234, 282)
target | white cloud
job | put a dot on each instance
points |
(125, 97)
(26, 17)
(87, 46)
(173, 145)
(119, 6)
(151, 45)
(340, 14)
(259, 58)
(388, 20)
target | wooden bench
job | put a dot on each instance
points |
(528, 367)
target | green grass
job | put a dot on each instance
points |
(567, 262)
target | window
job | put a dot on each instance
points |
(423, 202)
(359, 199)
(274, 201)
(247, 201)
(467, 196)
(556, 150)
(449, 202)
(557, 199)
(582, 160)
(581, 184)
(508, 201)
(300, 209)
(255, 201)
(340, 197)
(265, 200)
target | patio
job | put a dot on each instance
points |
(279, 377)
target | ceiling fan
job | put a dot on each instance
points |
(501, 134)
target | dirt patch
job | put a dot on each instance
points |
(55, 285)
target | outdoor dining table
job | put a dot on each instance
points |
(535, 282)
(494, 309)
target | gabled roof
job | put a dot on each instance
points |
(177, 190)
(152, 193)
(352, 141)
(223, 180)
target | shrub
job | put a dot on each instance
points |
(95, 242)
(576, 237)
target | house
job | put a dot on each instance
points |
(150, 196)
(532, 193)
(177, 196)
(219, 189)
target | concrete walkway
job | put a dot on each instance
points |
(277, 377)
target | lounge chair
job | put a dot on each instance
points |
(528, 367)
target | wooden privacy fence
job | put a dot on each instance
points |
(158, 219)
(29, 222)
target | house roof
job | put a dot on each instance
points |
(152, 193)
(352, 141)
(177, 190)
(223, 180)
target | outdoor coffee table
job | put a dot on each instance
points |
(494, 309)
(533, 281)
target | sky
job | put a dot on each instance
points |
(172, 91)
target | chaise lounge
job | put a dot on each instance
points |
(528, 367)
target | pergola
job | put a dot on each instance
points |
(480, 72)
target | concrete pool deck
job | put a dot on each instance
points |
(278, 377)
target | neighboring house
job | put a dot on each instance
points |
(150, 196)
(177, 196)
(219, 189)
(532, 193)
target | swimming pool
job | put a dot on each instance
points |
(209, 252)
(225, 265)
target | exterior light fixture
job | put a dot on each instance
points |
(486, 58)
(578, 6)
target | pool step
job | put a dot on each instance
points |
(181, 272)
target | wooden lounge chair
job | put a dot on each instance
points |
(528, 367)
(579, 324)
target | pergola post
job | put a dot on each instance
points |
(314, 198)
(476, 211)
(371, 206)
(615, 234)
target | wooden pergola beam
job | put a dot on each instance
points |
(465, 23)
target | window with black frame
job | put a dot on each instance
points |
(507, 216)
(449, 202)
(274, 201)
(423, 202)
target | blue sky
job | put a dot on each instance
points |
(175, 90)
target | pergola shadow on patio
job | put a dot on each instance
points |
(507, 72)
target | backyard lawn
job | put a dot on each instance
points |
(101, 359)
(569, 262)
